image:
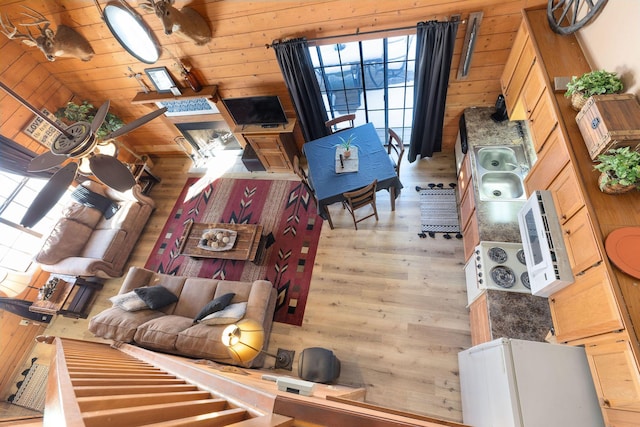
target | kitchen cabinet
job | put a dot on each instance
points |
(471, 235)
(586, 307)
(542, 122)
(553, 157)
(275, 147)
(580, 242)
(519, 63)
(616, 378)
(464, 177)
(533, 89)
(479, 320)
(566, 192)
(467, 206)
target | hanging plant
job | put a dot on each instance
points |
(85, 112)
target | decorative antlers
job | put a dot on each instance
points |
(11, 31)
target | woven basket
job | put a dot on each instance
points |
(578, 100)
(613, 188)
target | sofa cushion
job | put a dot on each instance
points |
(156, 297)
(204, 341)
(161, 333)
(128, 302)
(125, 218)
(119, 325)
(104, 244)
(83, 214)
(193, 296)
(232, 313)
(67, 239)
(214, 305)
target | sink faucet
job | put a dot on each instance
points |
(522, 166)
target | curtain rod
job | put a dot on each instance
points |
(454, 18)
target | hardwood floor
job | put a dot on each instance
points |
(389, 304)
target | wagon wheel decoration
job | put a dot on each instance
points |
(568, 16)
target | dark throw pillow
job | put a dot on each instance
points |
(214, 305)
(156, 296)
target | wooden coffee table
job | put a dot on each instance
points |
(245, 247)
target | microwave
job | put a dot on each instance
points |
(544, 250)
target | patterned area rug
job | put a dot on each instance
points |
(31, 393)
(439, 211)
(291, 229)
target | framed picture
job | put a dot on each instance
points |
(161, 79)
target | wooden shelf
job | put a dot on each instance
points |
(187, 93)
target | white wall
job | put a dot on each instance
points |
(612, 41)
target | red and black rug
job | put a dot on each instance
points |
(291, 229)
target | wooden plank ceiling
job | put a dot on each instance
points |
(236, 58)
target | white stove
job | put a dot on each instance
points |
(499, 266)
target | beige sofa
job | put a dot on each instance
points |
(171, 329)
(85, 243)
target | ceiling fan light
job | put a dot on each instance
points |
(84, 167)
(108, 148)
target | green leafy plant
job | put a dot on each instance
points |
(621, 166)
(73, 112)
(594, 83)
(346, 143)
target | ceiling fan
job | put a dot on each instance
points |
(77, 141)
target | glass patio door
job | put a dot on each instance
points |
(371, 78)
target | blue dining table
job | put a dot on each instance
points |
(373, 163)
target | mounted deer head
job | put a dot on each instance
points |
(186, 22)
(64, 42)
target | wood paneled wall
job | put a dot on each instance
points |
(236, 59)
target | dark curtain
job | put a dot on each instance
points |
(434, 50)
(14, 158)
(296, 66)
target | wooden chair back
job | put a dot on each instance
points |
(332, 125)
(304, 178)
(358, 199)
(395, 148)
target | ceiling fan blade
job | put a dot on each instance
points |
(45, 161)
(111, 172)
(100, 116)
(49, 195)
(136, 123)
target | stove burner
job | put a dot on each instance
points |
(520, 256)
(503, 276)
(497, 254)
(524, 278)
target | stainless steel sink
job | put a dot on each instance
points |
(500, 171)
(497, 158)
(501, 186)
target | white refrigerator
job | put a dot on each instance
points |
(510, 382)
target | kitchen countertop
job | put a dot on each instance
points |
(518, 315)
(497, 221)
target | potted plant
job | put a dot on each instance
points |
(85, 112)
(596, 82)
(346, 145)
(620, 170)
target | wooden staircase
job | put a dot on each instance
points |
(94, 385)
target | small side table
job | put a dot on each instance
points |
(71, 298)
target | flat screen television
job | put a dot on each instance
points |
(266, 111)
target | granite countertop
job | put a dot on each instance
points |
(497, 221)
(518, 315)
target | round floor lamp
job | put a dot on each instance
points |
(244, 341)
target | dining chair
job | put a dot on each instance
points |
(307, 184)
(357, 199)
(332, 124)
(395, 144)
